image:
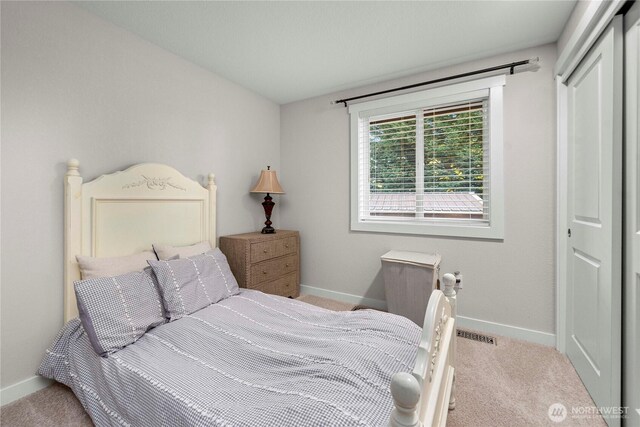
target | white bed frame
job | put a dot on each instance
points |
(423, 397)
(126, 212)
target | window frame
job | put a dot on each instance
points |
(491, 87)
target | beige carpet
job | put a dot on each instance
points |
(54, 406)
(511, 384)
(327, 303)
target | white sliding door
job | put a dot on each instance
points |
(631, 291)
(594, 207)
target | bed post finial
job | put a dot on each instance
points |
(213, 189)
(405, 391)
(449, 292)
(72, 167)
(72, 235)
(449, 284)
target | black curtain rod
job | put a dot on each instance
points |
(510, 66)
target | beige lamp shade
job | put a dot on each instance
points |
(268, 183)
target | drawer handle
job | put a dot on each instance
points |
(265, 251)
(264, 272)
(286, 265)
(286, 246)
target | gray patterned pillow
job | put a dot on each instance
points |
(189, 284)
(116, 311)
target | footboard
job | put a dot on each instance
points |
(423, 397)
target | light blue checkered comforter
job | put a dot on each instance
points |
(249, 360)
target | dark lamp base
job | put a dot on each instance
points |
(268, 230)
(268, 207)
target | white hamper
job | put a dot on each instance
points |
(409, 278)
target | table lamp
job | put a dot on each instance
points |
(268, 183)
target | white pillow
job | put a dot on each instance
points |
(166, 252)
(91, 267)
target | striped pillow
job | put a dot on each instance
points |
(116, 311)
(189, 284)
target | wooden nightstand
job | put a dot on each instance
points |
(266, 262)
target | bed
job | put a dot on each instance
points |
(250, 359)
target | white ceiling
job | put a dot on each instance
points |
(289, 51)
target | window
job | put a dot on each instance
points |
(430, 162)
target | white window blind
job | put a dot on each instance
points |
(427, 164)
(430, 164)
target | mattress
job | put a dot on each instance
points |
(250, 360)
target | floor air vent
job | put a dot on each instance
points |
(477, 337)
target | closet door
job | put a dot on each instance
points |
(631, 292)
(594, 290)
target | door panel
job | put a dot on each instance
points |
(594, 217)
(587, 146)
(586, 307)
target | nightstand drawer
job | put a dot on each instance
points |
(286, 286)
(273, 248)
(268, 270)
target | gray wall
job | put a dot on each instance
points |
(571, 25)
(509, 282)
(76, 86)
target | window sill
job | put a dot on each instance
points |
(430, 229)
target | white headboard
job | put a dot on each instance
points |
(126, 212)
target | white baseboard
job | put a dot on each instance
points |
(508, 331)
(524, 334)
(23, 388)
(344, 297)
